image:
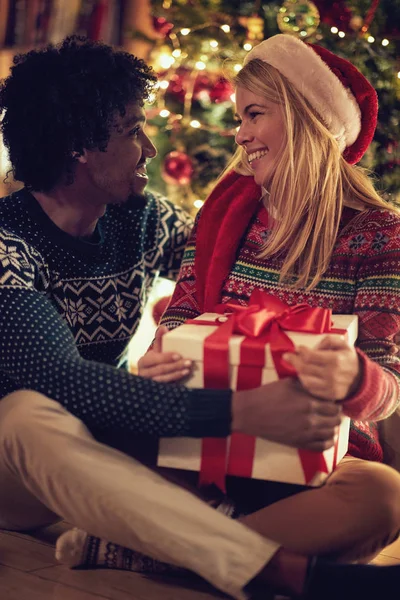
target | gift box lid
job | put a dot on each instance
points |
(188, 339)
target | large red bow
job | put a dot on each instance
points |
(264, 321)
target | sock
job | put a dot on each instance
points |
(78, 549)
(334, 581)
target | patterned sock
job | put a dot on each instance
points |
(79, 550)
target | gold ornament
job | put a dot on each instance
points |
(255, 28)
(298, 17)
(356, 22)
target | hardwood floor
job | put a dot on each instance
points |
(29, 571)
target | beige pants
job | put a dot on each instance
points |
(51, 466)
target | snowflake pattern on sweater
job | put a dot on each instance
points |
(68, 307)
(363, 278)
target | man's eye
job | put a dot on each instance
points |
(134, 132)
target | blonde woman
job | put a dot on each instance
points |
(294, 217)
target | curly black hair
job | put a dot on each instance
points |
(62, 99)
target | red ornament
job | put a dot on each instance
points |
(222, 91)
(202, 88)
(177, 168)
(162, 26)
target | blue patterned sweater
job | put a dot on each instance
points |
(68, 307)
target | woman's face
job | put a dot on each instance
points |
(261, 132)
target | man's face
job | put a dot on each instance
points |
(120, 171)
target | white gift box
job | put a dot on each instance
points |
(272, 461)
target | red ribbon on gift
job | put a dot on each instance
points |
(263, 321)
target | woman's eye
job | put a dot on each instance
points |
(253, 115)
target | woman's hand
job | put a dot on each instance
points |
(331, 371)
(164, 367)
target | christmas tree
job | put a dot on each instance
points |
(196, 48)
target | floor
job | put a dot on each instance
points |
(29, 571)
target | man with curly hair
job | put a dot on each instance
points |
(80, 246)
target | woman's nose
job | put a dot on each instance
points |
(242, 135)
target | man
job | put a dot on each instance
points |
(80, 246)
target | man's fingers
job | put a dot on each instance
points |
(328, 409)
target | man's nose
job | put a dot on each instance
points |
(149, 149)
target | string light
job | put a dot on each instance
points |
(198, 203)
(334, 30)
(225, 28)
(164, 113)
(200, 65)
(176, 53)
(195, 124)
(370, 39)
(341, 34)
(247, 46)
(385, 42)
(185, 31)
(163, 84)
(237, 68)
(214, 44)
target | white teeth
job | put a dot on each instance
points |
(256, 155)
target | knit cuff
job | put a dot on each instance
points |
(210, 413)
(358, 405)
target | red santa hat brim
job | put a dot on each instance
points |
(342, 97)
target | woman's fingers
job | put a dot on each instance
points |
(157, 345)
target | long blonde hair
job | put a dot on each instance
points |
(310, 184)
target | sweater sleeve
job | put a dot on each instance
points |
(377, 304)
(174, 228)
(38, 352)
(184, 304)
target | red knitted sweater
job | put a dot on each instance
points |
(221, 264)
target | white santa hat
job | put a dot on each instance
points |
(339, 93)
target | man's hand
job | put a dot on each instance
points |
(331, 371)
(164, 367)
(285, 413)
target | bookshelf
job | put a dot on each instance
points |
(26, 24)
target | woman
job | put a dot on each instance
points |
(294, 217)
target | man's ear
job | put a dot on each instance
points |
(80, 156)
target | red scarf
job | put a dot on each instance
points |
(224, 220)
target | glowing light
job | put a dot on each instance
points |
(303, 33)
(398, 75)
(385, 42)
(185, 31)
(370, 39)
(334, 30)
(214, 44)
(247, 46)
(176, 53)
(200, 65)
(341, 34)
(163, 84)
(195, 124)
(164, 113)
(237, 68)
(166, 61)
(225, 28)
(198, 203)
(233, 98)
